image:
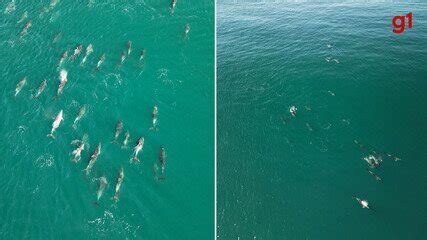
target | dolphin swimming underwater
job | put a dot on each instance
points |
(154, 117)
(89, 50)
(119, 127)
(81, 113)
(125, 141)
(62, 81)
(41, 88)
(118, 184)
(102, 184)
(363, 203)
(93, 159)
(138, 148)
(56, 123)
(20, 85)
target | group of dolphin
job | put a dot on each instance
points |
(63, 79)
(119, 126)
(373, 160)
(89, 50)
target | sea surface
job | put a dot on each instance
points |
(351, 79)
(43, 194)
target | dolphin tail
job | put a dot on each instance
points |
(96, 203)
(135, 159)
(51, 135)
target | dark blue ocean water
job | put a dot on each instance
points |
(351, 78)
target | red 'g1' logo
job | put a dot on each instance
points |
(399, 23)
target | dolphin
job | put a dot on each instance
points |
(118, 184)
(57, 37)
(172, 6)
(129, 47)
(56, 123)
(81, 113)
(142, 55)
(26, 27)
(89, 50)
(20, 85)
(100, 61)
(162, 158)
(125, 141)
(93, 159)
(102, 184)
(363, 203)
(62, 81)
(23, 17)
(10, 7)
(122, 58)
(77, 52)
(138, 148)
(293, 110)
(63, 57)
(119, 127)
(373, 161)
(41, 88)
(154, 117)
(187, 29)
(78, 151)
(378, 178)
(81, 146)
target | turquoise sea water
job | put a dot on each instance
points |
(351, 78)
(43, 195)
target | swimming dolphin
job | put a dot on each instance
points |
(20, 85)
(119, 127)
(56, 123)
(118, 184)
(102, 184)
(62, 81)
(141, 55)
(10, 7)
(373, 161)
(293, 110)
(81, 144)
(125, 141)
(93, 159)
(23, 17)
(129, 47)
(378, 178)
(81, 113)
(41, 88)
(89, 50)
(137, 148)
(363, 203)
(162, 158)
(154, 117)
(77, 52)
(100, 61)
(78, 151)
(187, 29)
(122, 58)
(25, 29)
(63, 57)
(172, 6)
(57, 37)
